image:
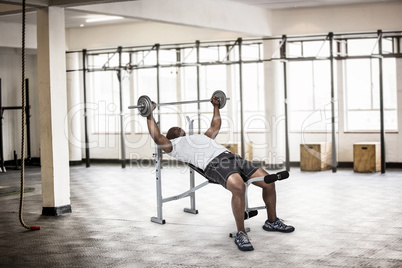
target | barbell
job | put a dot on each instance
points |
(144, 103)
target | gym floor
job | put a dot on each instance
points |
(342, 219)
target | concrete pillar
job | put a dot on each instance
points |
(275, 112)
(52, 111)
(75, 109)
(398, 148)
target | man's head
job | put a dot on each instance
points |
(175, 132)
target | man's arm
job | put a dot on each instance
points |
(159, 139)
(216, 122)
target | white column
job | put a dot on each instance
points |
(52, 111)
(398, 153)
(75, 109)
(274, 108)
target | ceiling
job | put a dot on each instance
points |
(10, 9)
(278, 4)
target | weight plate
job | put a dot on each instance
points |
(221, 96)
(146, 104)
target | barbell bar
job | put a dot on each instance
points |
(144, 103)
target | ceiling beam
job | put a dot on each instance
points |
(71, 3)
(219, 15)
(64, 3)
(29, 3)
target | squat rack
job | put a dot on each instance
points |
(27, 122)
(226, 60)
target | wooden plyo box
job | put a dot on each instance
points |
(366, 157)
(232, 147)
(315, 156)
(249, 151)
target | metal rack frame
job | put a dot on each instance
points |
(331, 37)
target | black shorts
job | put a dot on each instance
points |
(225, 164)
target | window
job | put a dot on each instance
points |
(168, 92)
(297, 49)
(253, 89)
(212, 78)
(188, 86)
(363, 96)
(360, 47)
(253, 97)
(178, 82)
(309, 91)
(106, 93)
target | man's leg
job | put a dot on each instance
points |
(235, 184)
(268, 194)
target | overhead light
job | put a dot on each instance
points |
(104, 18)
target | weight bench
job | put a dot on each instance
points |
(248, 213)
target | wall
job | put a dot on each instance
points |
(11, 35)
(349, 18)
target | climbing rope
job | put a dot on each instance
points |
(23, 110)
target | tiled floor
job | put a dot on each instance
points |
(342, 219)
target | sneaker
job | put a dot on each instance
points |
(242, 242)
(278, 225)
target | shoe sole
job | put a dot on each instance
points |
(275, 230)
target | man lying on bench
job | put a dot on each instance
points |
(223, 167)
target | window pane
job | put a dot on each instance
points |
(362, 47)
(322, 84)
(145, 83)
(147, 57)
(189, 55)
(370, 120)
(389, 78)
(189, 87)
(212, 78)
(294, 49)
(363, 95)
(300, 85)
(375, 83)
(387, 45)
(168, 84)
(125, 59)
(316, 49)
(209, 54)
(167, 56)
(309, 95)
(251, 52)
(253, 88)
(168, 93)
(318, 120)
(255, 122)
(358, 84)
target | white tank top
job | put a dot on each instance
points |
(198, 150)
